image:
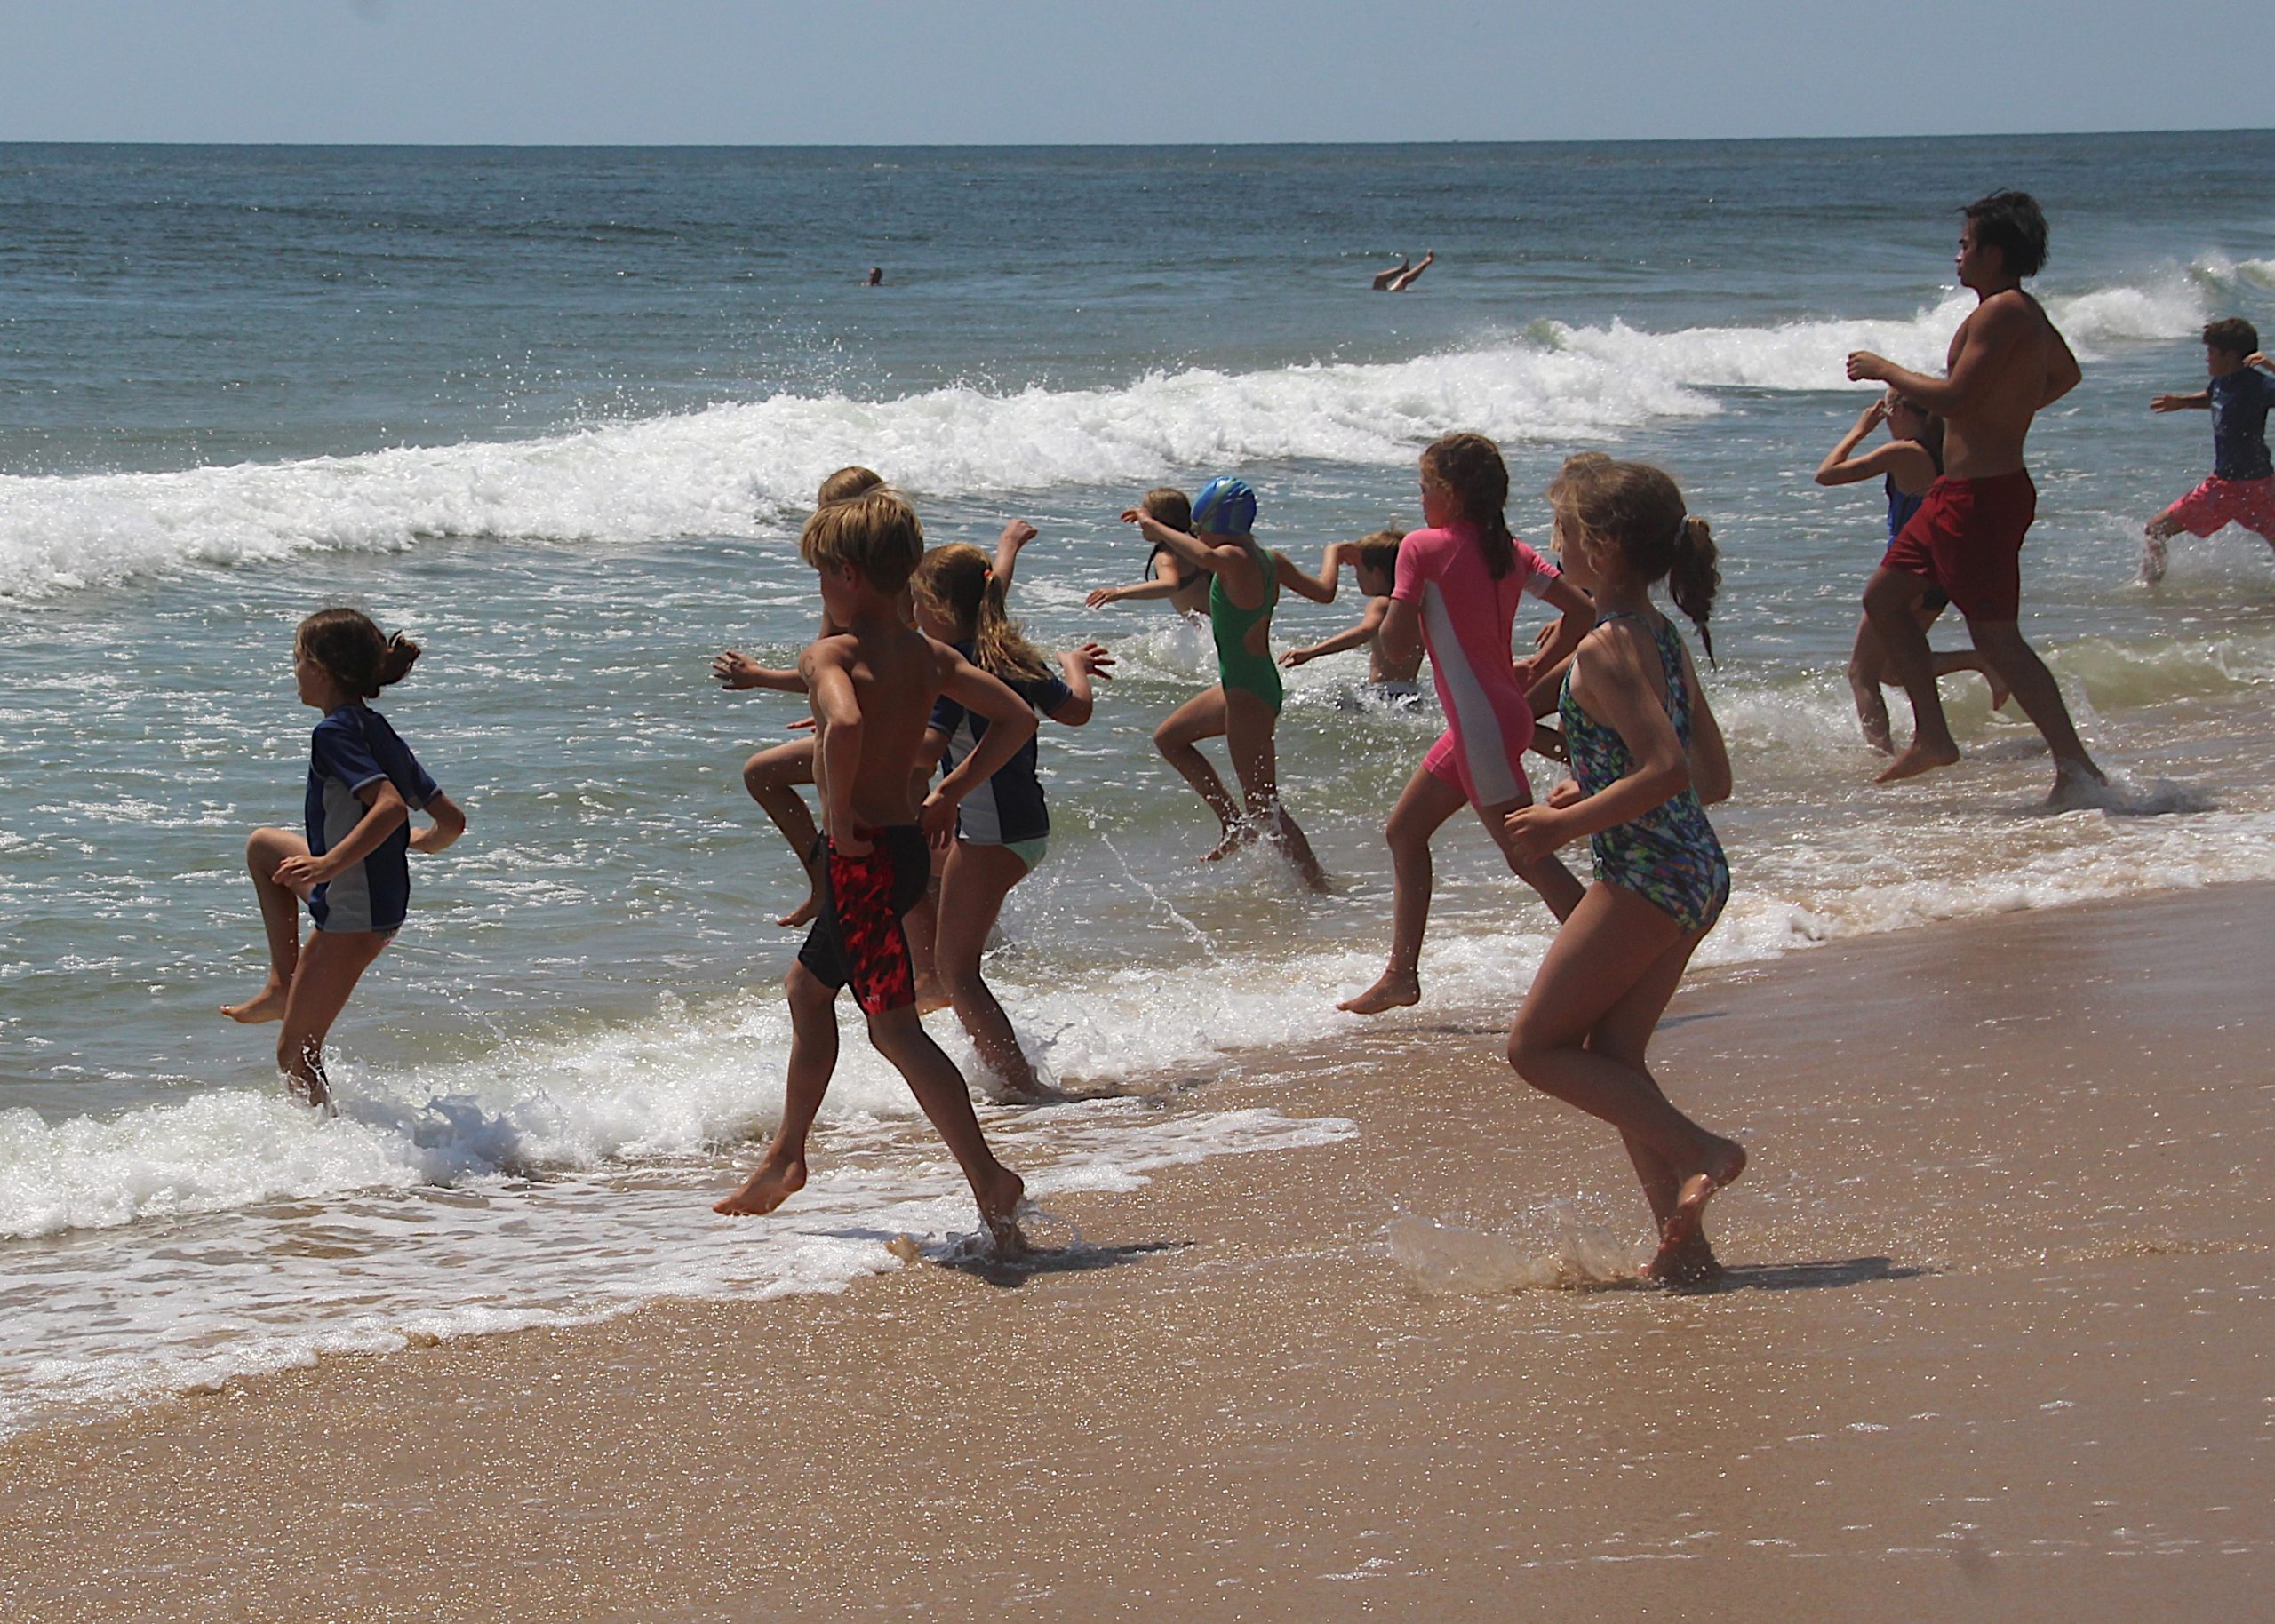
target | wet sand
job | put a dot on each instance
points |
(1995, 1345)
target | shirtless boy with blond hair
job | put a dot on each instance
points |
(872, 684)
(2005, 364)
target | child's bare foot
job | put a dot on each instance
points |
(1393, 991)
(1235, 836)
(998, 1195)
(1917, 758)
(1683, 1239)
(803, 914)
(765, 1190)
(266, 1005)
(1695, 1268)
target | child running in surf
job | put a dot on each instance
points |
(1912, 460)
(1003, 827)
(1168, 575)
(1244, 705)
(1647, 757)
(1458, 584)
(1374, 565)
(354, 869)
(2241, 490)
(871, 687)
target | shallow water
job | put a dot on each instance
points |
(557, 413)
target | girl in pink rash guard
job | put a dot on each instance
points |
(1457, 588)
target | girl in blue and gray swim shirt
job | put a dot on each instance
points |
(353, 871)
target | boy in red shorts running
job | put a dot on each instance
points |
(2241, 490)
(871, 687)
(2005, 364)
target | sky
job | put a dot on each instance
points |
(607, 72)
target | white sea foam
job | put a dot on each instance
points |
(742, 469)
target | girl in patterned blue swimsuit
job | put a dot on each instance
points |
(1646, 754)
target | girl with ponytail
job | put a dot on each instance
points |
(1456, 589)
(352, 869)
(1646, 753)
(1003, 827)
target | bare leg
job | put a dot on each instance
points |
(330, 965)
(973, 888)
(932, 1078)
(781, 1172)
(1618, 960)
(2001, 643)
(1407, 279)
(1867, 669)
(1891, 604)
(1382, 279)
(1546, 875)
(2154, 557)
(1423, 807)
(1250, 724)
(280, 922)
(1201, 717)
(771, 776)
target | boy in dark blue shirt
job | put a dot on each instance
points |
(2241, 490)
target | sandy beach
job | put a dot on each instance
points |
(1993, 1345)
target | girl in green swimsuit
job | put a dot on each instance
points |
(1244, 706)
(1647, 758)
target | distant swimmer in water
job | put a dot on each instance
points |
(2241, 490)
(1168, 575)
(876, 278)
(1374, 564)
(1457, 588)
(1908, 464)
(1647, 760)
(1382, 279)
(353, 871)
(1404, 276)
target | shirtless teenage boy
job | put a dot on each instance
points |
(2005, 364)
(873, 685)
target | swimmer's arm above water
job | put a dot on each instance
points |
(1142, 591)
(1319, 588)
(2198, 402)
(1015, 535)
(1079, 667)
(1192, 549)
(1358, 636)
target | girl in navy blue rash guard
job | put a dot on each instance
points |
(1001, 828)
(353, 869)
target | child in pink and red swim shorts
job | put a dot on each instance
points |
(2241, 490)
(1457, 587)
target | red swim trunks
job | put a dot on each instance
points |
(2218, 502)
(857, 938)
(1968, 539)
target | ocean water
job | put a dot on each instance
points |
(558, 412)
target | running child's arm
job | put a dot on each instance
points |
(1867, 420)
(1576, 613)
(837, 758)
(1400, 633)
(1009, 726)
(1079, 666)
(2258, 358)
(1618, 690)
(450, 823)
(740, 670)
(2200, 402)
(1358, 636)
(1142, 590)
(1192, 549)
(383, 813)
(1015, 535)
(1319, 588)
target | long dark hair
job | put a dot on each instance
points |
(346, 643)
(1470, 465)
(1640, 510)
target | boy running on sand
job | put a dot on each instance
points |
(1390, 679)
(2005, 364)
(2241, 490)
(871, 687)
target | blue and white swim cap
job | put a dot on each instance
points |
(1226, 506)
